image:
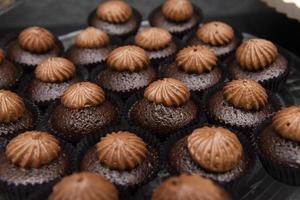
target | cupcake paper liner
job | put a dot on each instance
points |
(200, 118)
(89, 141)
(45, 124)
(275, 100)
(15, 86)
(29, 191)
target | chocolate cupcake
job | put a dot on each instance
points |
(30, 162)
(240, 104)
(117, 18)
(33, 45)
(213, 152)
(197, 67)
(16, 115)
(10, 74)
(83, 110)
(189, 187)
(51, 78)
(278, 145)
(91, 48)
(179, 17)
(158, 43)
(127, 71)
(259, 60)
(165, 107)
(218, 36)
(122, 157)
(85, 186)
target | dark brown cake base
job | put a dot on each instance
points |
(73, 124)
(123, 179)
(159, 119)
(10, 75)
(195, 82)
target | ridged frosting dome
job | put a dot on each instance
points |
(92, 38)
(114, 11)
(196, 59)
(82, 95)
(55, 69)
(36, 39)
(32, 149)
(2, 56)
(191, 187)
(215, 149)
(84, 186)
(286, 123)
(168, 91)
(177, 10)
(128, 58)
(121, 150)
(153, 38)
(215, 33)
(12, 106)
(245, 94)
(256, 54)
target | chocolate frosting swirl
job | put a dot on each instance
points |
(32, 149)
(153, 38)
(245, 94)
(216, 149)
(84, 185)
(128, 58)
(92, 38)
(286, 123)
(256, 54)
(114, 11)
(196, 59)
(215, 33)
(168, 91)
(12, 106)
(121, 150)
(192, 187)
(177, 10)
(55, 69)
(2, 56)
(36, 40)
(82, 95)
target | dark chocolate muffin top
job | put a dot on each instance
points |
(177, 10)
(84, 185)
(256, 54)
(32, 149)
(55, 69)
(189, 187)
(12, 106)
(92, 38)
(216, 149)
(215, 33)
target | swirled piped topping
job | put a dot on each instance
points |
(245, 94)
(121, 150)
(2, 56)
(32, 149)
(256, 54)
(12, 106)
(168, 91)
(36, 39)
(215, 33)
(82, 95)
(84, 185)
(192, 187)
(55, 69)
(92, 38)
(216, 149)
(286, 123)
(114, 11)
(196, 59)
(128, 58)
(153, 38)
(177, 10)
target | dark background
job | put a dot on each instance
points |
(62, 16)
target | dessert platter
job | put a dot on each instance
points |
(168, 108)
